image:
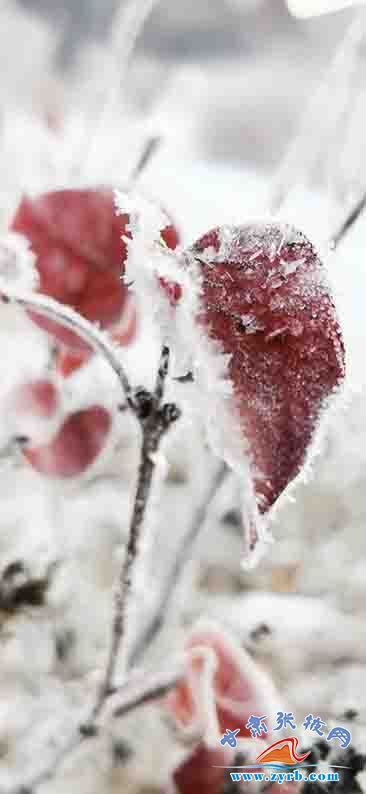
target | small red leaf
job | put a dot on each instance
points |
(77, 238)
(76, 445)
(202, 772)
(38, 397)
(69, 361)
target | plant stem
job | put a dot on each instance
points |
(68, 318)
(352, 217)
(155, 420)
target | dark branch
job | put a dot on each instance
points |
(348, 222)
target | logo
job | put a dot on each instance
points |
(285, 756)
(282, 753)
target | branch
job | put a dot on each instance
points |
(346, 226)
(184, 554)
(68, 318)
(149, 150)
(155, 419)
(145, 690)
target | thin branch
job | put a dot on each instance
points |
(155, 420)
(157, 619)
(145, 690)
(347, 224)
(149, 150)
(68, 318)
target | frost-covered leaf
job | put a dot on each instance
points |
(312, 8)
(80, 245)
(267, 352)
(76, 237)
(219, 673)
(222, 687)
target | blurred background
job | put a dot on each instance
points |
(244, 68)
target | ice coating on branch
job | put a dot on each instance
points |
(17, 263)
(313, 8)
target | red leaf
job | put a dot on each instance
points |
(237, 687)
(76, 236)
(200, 773)
(38, 397)
(69, 361)
(76, 445)
(265, 301)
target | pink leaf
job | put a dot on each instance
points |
(76, 445)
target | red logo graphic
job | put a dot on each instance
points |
(283, 752)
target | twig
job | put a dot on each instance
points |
(150, 148)
(68, 318)
(155, 419)
(348, 222)
(183, 555)
(144, 690)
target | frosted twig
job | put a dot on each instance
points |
(347, 224)
(144, 690)
(68, 318)
(155, 419)
(150, 148)
(183, 555)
